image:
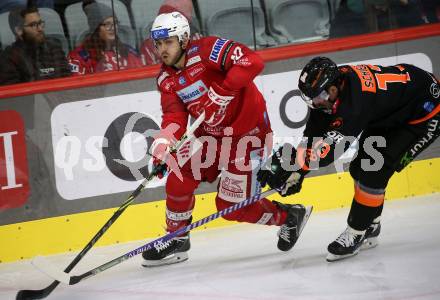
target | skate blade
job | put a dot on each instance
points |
(369, 243)
(173, 259)
(333, 257)
(309, 210)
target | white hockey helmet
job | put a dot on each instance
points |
(168, 25)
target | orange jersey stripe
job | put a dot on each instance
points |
(427, 117)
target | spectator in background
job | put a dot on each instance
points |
(406, 13)
(7, 5)
(431, 9)
(349, 19)
(102, 51)
(357, 17)
(148, 51)
(32, 56)
(85, 3)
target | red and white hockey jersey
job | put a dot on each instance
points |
(231, 65)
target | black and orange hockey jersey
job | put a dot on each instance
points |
(371, 97)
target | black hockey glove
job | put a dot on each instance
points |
(278, 173)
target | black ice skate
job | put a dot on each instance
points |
(371, 236)
(346, 245)
(170, 252)
(297, 217)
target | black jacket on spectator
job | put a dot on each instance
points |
(22, 62)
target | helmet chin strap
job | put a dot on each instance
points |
(182, 52)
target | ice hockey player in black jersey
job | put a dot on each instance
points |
(396, 112)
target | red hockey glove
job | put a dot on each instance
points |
(215, 104)
(162, 159)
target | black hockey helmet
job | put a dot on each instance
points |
(319, 74)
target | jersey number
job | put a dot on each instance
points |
(385, 78)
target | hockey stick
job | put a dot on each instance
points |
(43, 293)
(42, 264)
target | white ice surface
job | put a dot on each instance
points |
(243, 263)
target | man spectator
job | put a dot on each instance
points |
(33, 56)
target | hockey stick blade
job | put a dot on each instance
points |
(75, 279)
(43, 293)
(42, 264)
(37, 294)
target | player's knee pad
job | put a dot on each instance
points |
(232, 189)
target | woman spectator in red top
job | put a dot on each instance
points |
(101, 51)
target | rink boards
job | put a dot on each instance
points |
(65, 181)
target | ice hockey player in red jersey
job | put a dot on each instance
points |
(215, 76)
(397, 110)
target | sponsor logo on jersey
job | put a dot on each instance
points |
(193, 60)
(265, 218)
(334, 135)
(429, 106)
(433, 130)
(168, 85)
(244, 62)
(159, 34)
(232, 187)
(217, 49)
(214, 131)
(435, 90)
(182, 80)
(162, 77)
(176, 216)
(192, 92)
(193, 49)
(196, 70)
(237, 54)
